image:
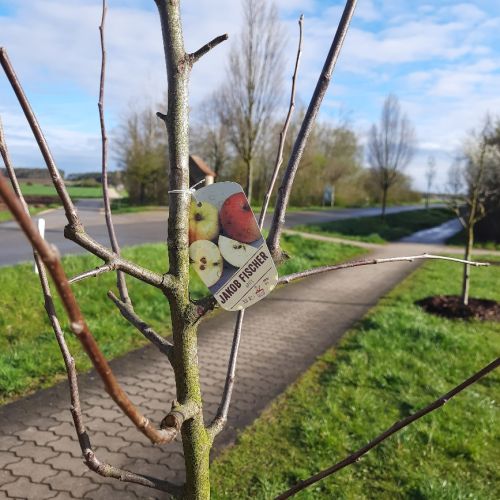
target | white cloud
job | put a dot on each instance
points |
(441, 59)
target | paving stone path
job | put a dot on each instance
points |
(282, 336)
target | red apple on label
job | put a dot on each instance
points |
(237, 219)
(203, 221)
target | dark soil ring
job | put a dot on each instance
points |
(450, 306)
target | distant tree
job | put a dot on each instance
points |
(468, 184)
(391, 146)
(430, 175)
(141, 149)
(210, 137)
(488, 228)
(253, 85)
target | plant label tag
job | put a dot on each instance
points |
(226, 247)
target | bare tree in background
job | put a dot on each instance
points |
(467, 181)
(186, 417)
(430, 175)
(210, 138)
(253, 87)
(391, 146)
(140, 148)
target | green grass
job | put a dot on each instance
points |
(397, 360)
(376, 230)
(459, 240)
(29, 356)
(123, 206)
(5, 215)
(48, 190)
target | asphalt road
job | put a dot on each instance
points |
(134, 229)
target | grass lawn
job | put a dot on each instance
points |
(459, 239)
(29, 355)
(376, 230)
(49, 190)
(395, 361)
(5, 215)
(123, 206)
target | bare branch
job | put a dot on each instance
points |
(193, 57)
(354, 457)
(285, 189)
(69, 208)
(4, 153)
(356, 263)
(91, 459)
(284, 130)
(92, 273)
(75, 230)
(220, 419)
(120, 277)
(131, 316)
(77, 322)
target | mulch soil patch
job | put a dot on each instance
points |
(450, 306)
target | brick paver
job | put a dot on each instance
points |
(282, 336)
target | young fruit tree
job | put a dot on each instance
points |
(468, 182)
(186, 417)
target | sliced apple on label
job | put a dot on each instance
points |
(206, 259)
(235, 252)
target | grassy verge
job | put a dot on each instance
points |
(5, 215)
(376, 230)
(123, 206)
(49, 190)
(397, 360)
(459, 240)
(29, 356)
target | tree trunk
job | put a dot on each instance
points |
(427, 196)
(466, 276)
(195, 440)
(249, 184)
(384, 201)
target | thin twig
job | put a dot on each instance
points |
(284, 130)
(354, 457)
(91, 459)
(57, 180)
(75, 230)
(92, 273)
(77, 322)
(366, 262)
(120, 277)
(128, 312)
(273, 239)
(4, 153)
(220, 419)
(193, 57)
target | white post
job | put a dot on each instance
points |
(41, 230)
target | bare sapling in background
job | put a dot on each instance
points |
(469, 188)
(430, 176)
(186, 417)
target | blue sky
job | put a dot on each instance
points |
(440, 57)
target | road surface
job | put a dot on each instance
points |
(137, 228)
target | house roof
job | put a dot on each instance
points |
(196, 162)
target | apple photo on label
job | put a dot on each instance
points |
(227, 249)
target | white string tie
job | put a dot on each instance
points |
(191, 191)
